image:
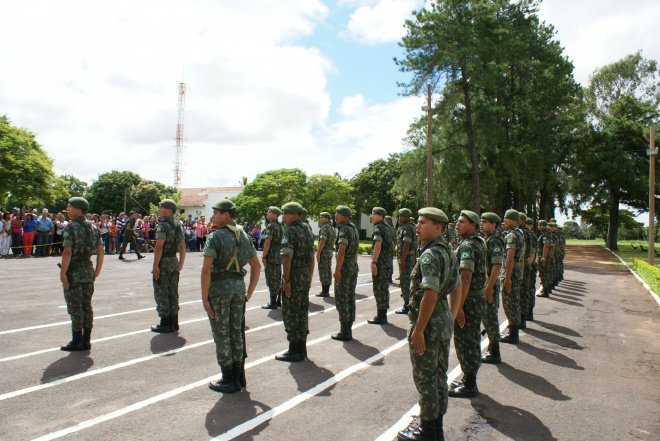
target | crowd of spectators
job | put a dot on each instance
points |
(27, 233)
(255, 233)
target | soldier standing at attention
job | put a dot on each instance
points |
(303, 219)
(512, 275)
(346, 271)
(495, 249)
(169, 239)
(472, 258)
(562, 253)
(554, 253)
(527, 269)
(435, 299)
(81, 239)
(226, 253)
(297, 272)
(530, 273)
(381, 261)
(388, 221)
(406, 253)
(450, 236)
(324, 253)
(271, 258)
(129, 236)
(544, 244)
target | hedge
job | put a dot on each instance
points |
(650, 274)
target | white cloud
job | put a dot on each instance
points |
(379, 21)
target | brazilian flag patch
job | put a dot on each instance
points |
(424, 260)
(497, 249)
(285, 240)
(465, 255)
(65, 234)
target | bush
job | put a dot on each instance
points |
(364, 249)
(650, 274)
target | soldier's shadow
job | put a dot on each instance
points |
(395, 331)
(532, 382)
(361, 351)
(232, 410)
(74, 363)
(307, 375)
(166, 342)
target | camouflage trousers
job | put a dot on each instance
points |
(325, 269)
(274, 278)
(295, 315)
(467, 340)
(560, 268)
(531, 293)
(544, 274)
(381, 286)
(79, 305)
(430, 368)
(166, 293)
(527, 285)
(129, 237)
(404, 280)
(345, 291)
(226, 326)
(490, 317)
(511, 302)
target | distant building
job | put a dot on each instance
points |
(198, 201)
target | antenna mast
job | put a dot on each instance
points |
(179, 137)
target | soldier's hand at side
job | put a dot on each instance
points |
(489, 294)
(156, 272)
(65, 281)
(96, 273)
(207, 308)
(507, 285)
(460, 318)
(417, 340)
(248, 296)
(374, 269)
(318, 258)
(287, 290)
(337, 276)
(263, 260)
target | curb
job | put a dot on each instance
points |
(648, 288)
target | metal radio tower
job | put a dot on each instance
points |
(179, 137)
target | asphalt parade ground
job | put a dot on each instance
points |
(587, 367)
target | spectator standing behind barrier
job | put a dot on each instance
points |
(44, 227)
(112, 233)
(28, 234)
(17, 234)
(5, 235)
(121, 223)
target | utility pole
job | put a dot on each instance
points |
(429, 149)
(652, 152)
(125, 195)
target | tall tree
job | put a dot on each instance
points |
(324, 193)
(66, 187)
(110, 190)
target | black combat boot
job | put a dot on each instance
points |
(272, 304)
(226, 385)
(439, 429)
(121, 256)
(530, 316)
(237, 370)
(87, 338)
(345, 334)
(403, 310)
(523, 324)
(425, 432)
(174, 322)
(292, 355)
(163, 327)
(241, 379)
(380, 319)
(325, 291)
(512, 336)
(303, 348)
(76, 344)
(457, 383)
(545, 293)
(493, 355)
(140, 256)
(468, 389)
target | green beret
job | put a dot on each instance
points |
(552, 224)
(553, 220)
(512, 214)
(169, 204)
(434, 214)
(304, 211)
(292, 207)
(451, 225)
(325, 214)
(344, 210)
(544, 223)
(388, 217)
(80, 203)
(529, 221)
(379, 210)
(523, 216)
(275, 210)
(224, 205)
(405, 212)
(472, 216)
(491, 217)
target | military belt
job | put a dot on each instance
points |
(299, 269)
(476, 292)
(79, 264)
(226, 275)
(170, 254)
(440, 306)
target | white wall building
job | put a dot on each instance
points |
(198, 201)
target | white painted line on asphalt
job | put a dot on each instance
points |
(155, 399)
(634, 273)
(116, 314)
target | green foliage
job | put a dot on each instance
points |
(598, 219)
(109, 190)
(146, 193)
(64, 188)
(324, 193)
(26, 171)
(364, 249)
(650, 274)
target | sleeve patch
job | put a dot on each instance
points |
(497, 249)
(425, 260)
(465, 255)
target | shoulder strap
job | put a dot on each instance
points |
(234, 259)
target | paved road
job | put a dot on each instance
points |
(588, 367)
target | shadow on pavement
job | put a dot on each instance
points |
(532, 382)
(574, 282)
(566, 302)
(74, 363)
(166, 342)
(549, 356)
(359, 350)
(571, 290)
(553, 338)
(557, 328)
(275, 314)
(395, 331)
(307, 375)
(313, 307)
(360, 296)
(570, 297)
(513, 422)
(221, 418)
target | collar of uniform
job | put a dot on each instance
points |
(438, 239)
(80, 218)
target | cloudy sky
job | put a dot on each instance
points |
(270, 84)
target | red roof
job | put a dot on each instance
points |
(195, 197)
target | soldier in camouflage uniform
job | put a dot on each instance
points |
(544, 246)
(129, 236)
(529, 276)
(298, 270)
(227, 251)
(169, 239)
(324, 253)
(562, 254)
(472, 258)
(530, 246)
(435, 279)
(406, 253)
(81, 239)
(272, 260)
(495, 249)
(346, 271)
(305, 221)
(450, 236)
(554, 253)
(381, 262)
(388, 222)
(512, 275)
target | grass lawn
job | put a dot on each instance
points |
(625, 251)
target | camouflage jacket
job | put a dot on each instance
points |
(298, 244)
(514, 241)
(472, 256)
(347, 234)
(544, 238)
(170, 231)
(406, 233)
(532, 242)
(306, 224)
(383, 234)
(227, 273)
(528, 242)
(495, 249)
(274, 232)
(130, 223)
(83, 238)
(328, 233)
